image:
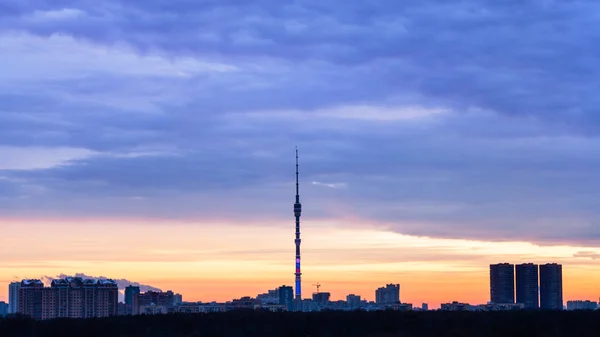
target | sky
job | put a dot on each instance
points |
(154, 141)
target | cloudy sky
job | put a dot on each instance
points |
(154, 141)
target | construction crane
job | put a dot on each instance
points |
(318, 286)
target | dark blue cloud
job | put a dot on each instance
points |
(193, 108)
(504, 56)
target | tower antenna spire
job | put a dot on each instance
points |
(297, 213)
(297, 184)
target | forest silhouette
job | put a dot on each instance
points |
(318, 324)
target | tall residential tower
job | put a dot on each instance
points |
(527, 285)
(13, 297)
(502, 283)
(297, 212)
(551, 292)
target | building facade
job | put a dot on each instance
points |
(527, 285)
(71, 297)
(13, 297)
(3, 309)
(158, 298)
(390, 294)
(456, 306)
(153, 309)
(321, 298)
(177, 299)
(130, 291)
(132, 297)
(353, 301)
(270, 297)
(502, 283)
(551, 292)
(582, 305)
(286, 297)
(30, 298)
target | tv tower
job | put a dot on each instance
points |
(297, 211)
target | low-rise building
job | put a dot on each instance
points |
(354, 302)
(3, 309)
(456, 306)
(153, 309)
(270, 297)
(500, 307)
(273, 307)
(398, 306)
(187, 308)
(212, 307)
(244, 303)
(582, 305)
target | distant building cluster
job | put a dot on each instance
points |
(74, 297)
(71, 297)
(150, 302)
(536, 287)
(582, 305)
(82, 298)
(279, 299)
(546, 294)
(457, 306)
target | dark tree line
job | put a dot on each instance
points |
(324, 324)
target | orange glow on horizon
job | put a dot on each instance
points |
(219, 260)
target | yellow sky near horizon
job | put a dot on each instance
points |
(220, 260)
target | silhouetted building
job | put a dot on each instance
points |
(153, 309)
(502, 283)
(270, 297)
(499, 307)
(177, 299)
(286, 297)
(122, 309)
(425, 307)
(129, 293)
(551, 295)
(398, 306)
(3, 309)
(30, 298)
(321, 298)
(13, 297)
(582, 305)
(354, 301)
(527, 285)
(245, 303)
(132, 300)
(187, 308)
(306, 305)
(158, 298)
(71, 297)
(456, 306)
(388, 295)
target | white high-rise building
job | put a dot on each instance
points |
(13, 297)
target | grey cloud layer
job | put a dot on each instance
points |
(192, 108)
(504, 56)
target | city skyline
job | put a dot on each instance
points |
(63, 297)
(152, 141)
(340, 290)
